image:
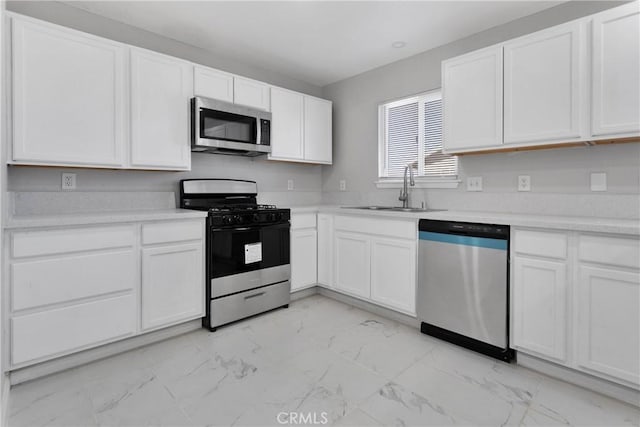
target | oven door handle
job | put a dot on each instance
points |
(257, 227)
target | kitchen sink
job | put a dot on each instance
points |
(393, 209)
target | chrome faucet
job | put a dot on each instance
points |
(404, 192)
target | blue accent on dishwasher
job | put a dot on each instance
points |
(481, 242)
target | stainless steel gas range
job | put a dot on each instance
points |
(248, 270)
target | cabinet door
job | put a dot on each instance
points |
(608, 326)
(161, 89)
(352, 263)
(303, 258)
(68, 97)
(325, 250)
(42, 335)
(543, 85)
(472, 95)
(393, 273)
(212, 83)
(251, 93)
(317, 130)
(286, 125)
(616, 71)
(172, 284)
(539, 307)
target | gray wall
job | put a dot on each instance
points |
(271, 176)
(560, 177)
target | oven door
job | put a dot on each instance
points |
(248, 257)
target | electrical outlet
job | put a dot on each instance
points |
(598, 181)
(474, 183)
(68, 181)
(290, 184)
(343, 185)
(524, 183)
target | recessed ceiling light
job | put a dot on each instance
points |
(398, 44)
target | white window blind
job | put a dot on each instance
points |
(411, 134)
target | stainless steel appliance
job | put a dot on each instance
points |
(248, 270)
(463, 285)
(224, 128)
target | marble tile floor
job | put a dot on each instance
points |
(319, 362)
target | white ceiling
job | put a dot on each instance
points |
(318, 42)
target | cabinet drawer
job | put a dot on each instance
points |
(540, 243)
(165, 232)
(381, 227)
(55, 332)
(610, 250)
(42, 282)
(36, 243)
(305, 220)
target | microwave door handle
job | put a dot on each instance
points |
(258, 131)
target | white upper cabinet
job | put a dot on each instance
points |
(68, 97)
(544, 91)
(212, 83)
(300, 127)
(616, 71)
(251, 93)
(317, 130)
(472, 93)
(161, 89)
(287, 109)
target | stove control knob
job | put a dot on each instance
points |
(255, 217)
(237, 219)
(227, 219)
(271, 216)
(280, 216)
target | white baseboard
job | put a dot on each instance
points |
(372, 308)
(73, 360)
(599, 385)
(4, 400)
(303, 293)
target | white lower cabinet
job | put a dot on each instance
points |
(352, 263)
(303, 258)
(375, 259)
(303, 250)
(608, 327)
(56, 332)
(393, 268)
(74, 288)
(325, 250)
(539, 306)
(172, 284)
(582, 311)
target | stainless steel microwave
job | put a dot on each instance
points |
(223, 128)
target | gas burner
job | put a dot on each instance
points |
(241, 207)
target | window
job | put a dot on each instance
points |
(411, 134)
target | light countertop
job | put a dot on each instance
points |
(559, 222)
(32, 221)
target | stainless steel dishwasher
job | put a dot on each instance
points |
(463, 285)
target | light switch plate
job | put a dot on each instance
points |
(290, 184)
(343, 185)
(474, 183)
(68, 181)
(598, 181)
(524, 183)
